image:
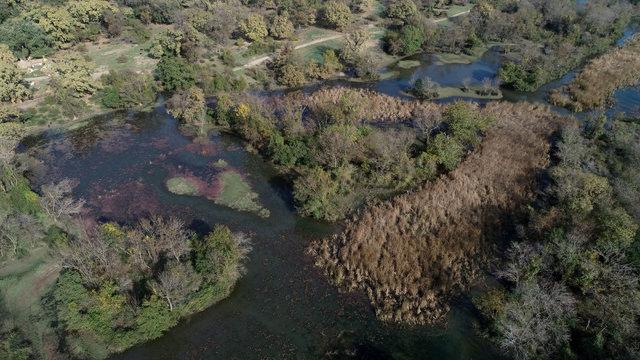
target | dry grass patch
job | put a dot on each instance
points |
(413, 253)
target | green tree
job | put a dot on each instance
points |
(281, 27)
(401, 9)
(447, 150)
(12, 85)
(319, 195)
(335, 15)
(56, 21)
(518, 77)
(189, 106)
(411, 39)
(72, 73)
(219, 255)
(25, 38)
(175, 73)
(88, 11)
(254, 28)
(127, 89)
(290, 75)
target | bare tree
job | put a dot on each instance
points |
(157, 237)
(536, 323)
(95, 257)
(176, 282)
(57, 201)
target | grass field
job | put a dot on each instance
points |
(120, 56)
(23, 283)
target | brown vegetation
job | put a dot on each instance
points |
(369, 105)
(413, 253)
(601, 77)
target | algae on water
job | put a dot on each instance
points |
(236, 193)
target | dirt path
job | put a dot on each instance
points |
(260, 60)
(452, 16)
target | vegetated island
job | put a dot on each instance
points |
(594, 85)
(229, 189)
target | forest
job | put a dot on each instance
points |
(482, 152)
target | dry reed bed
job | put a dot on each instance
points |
(370, 105)
(413, 253)
(595, 84)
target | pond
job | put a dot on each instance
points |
(283, 308)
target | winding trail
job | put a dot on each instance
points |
(260, 60)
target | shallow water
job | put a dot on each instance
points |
(486, 67)
(283, 308)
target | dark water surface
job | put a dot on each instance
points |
(283, 308)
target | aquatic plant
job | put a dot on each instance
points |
(182, 186)
(236, 193)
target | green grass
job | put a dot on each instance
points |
(182, 186)
(315, 52)
(408, 64)
(450, 91)
(237, 194)
(313, 33)
(449, 58)
(23, 283)
(108, 56)
(457, 9)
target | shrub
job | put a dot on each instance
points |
(127, 89)
(175, 73)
